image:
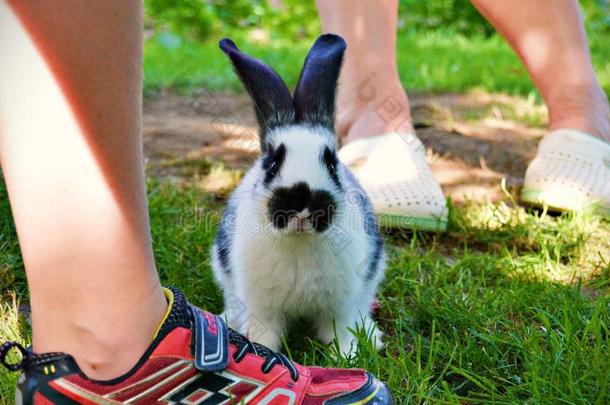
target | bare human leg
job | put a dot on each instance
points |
(374, 121)
(550, 39)
(371, 100)
(71, 153)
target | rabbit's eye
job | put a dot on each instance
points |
(272, 163)
(274, 168)
(329, 159)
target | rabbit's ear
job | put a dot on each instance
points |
(272, 99)
(314, 96)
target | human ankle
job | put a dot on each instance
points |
(102, 359)
(585, 109)
(372, 107)
(108, 346)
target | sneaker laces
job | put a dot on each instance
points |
(245, 346)
(28, 358)
(180, 315)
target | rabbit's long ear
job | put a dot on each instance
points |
(272, 99)
(314, 96)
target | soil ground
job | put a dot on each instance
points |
(473, 141)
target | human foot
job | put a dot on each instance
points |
(571, 172)
(382, 150)
(193, 358)
(394, 172)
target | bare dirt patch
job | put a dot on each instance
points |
(473, 141)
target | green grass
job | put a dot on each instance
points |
(428, 61)
(507, 307)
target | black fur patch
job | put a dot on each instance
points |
(330, 161)
(287, 202)
(272, 163)
(371, 226)
(322, 208)
(375, 257)
(224, 238)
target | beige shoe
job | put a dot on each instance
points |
(571, 172)
(393, 170)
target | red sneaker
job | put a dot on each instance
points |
(194, 359)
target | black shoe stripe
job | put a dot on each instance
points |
(55, 397)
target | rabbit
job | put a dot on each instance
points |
(298, 237)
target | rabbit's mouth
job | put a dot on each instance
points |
(300, 222)
(304, 221)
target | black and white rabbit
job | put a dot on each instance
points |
(298, 237)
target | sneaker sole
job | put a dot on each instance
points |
(394, 221)
(541, 199)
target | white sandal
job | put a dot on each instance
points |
(571, 172)
(393, 170)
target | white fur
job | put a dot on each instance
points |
(277, 275)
